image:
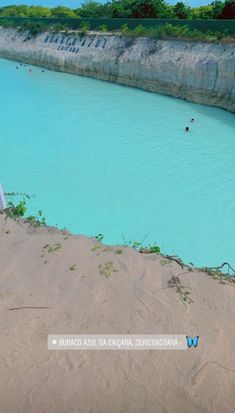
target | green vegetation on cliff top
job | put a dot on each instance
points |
(127, 9)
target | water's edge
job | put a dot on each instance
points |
(217, 273)
(197, 72)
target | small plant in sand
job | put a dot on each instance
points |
(118, 251)
(153, 248)
(17, 209)
(107, 269)
(164, 262)
(138, 245)
(37, 221)
(53, 247)
(135, 244)
(217, 273)
(175, 283)
(95, 247)
(13, 209)
(99, 237)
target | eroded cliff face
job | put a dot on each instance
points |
(198, 72)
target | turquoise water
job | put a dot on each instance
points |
(103, 158)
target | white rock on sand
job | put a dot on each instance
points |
(47, 267)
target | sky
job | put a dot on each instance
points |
(76, 3)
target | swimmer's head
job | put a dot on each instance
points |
(186, 129)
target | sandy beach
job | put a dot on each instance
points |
(76, 285)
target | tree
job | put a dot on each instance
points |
(121, 8)
(167, 12)
(21, 11)
(228, 11)
(94, 9)
(181, 10)
(140, 8)
(62, 11)
(148, 8)
(202, 12)
(38, 11)
(217, 8)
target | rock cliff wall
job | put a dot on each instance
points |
(198, 72)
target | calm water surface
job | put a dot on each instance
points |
(111, 159)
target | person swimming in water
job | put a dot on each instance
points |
(187, 129)
(192, 120)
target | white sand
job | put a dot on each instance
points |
(135, 299)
